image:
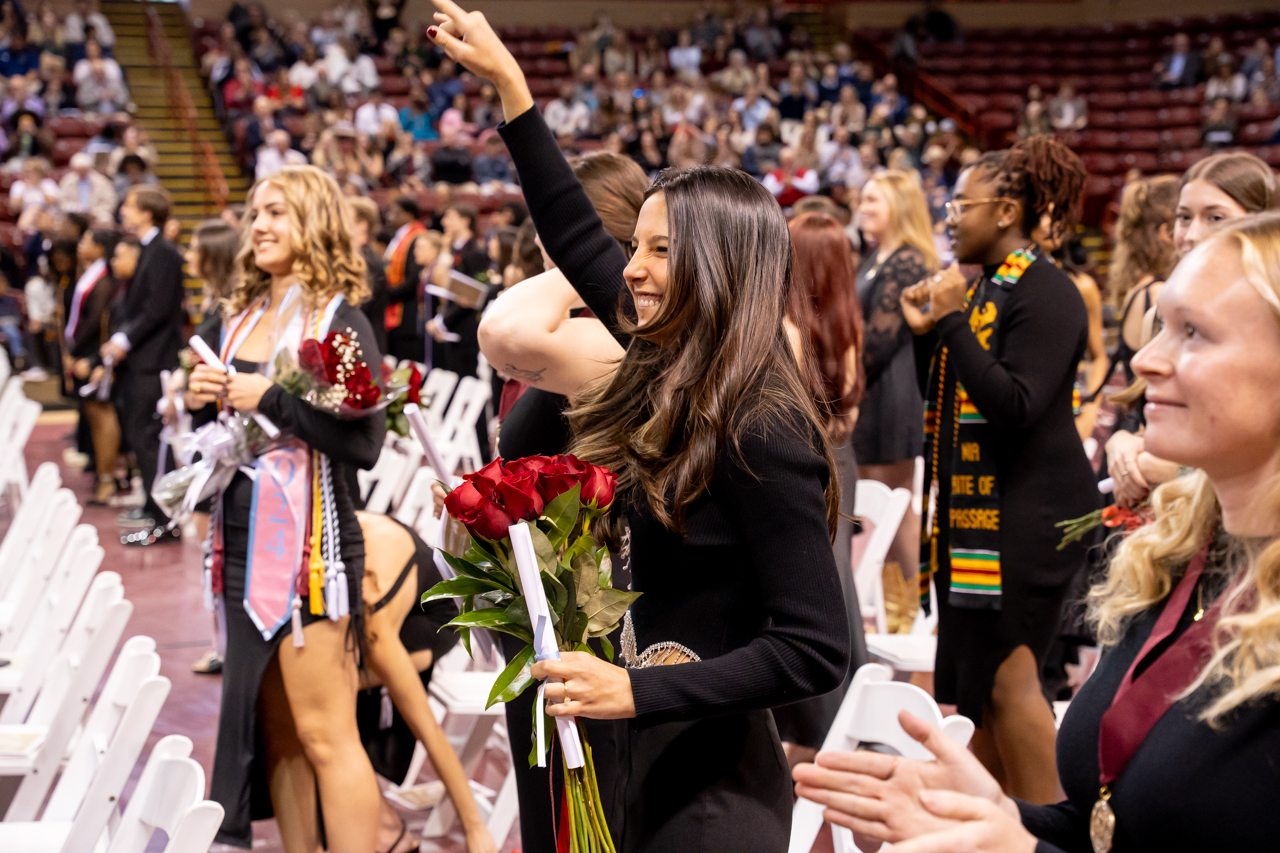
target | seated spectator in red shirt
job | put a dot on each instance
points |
(240, 90)
(291, 98)
(788, 183)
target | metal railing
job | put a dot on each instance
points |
(182, 110)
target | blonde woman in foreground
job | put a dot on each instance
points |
(1172, 744)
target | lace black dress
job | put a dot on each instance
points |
(890, 424)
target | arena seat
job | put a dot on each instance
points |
(64, 148)
(394, 85)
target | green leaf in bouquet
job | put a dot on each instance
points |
(607, 646)
(557, 595)
(513, 679)
(488, 617)
(605, 608)
(546, 554)
(605, 562)
(562, 514)
(515, 631)
(469, 569)
(466, 640)
(399, 424)
(518, 613)
(578, 633)
(586, 577)
(583, 647)
(458, 587)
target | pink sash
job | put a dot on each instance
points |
(277, 534)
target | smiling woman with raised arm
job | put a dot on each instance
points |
(726, 492)
(1172, 743)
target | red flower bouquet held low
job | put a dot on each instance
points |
(558, 497)
(332, 375)
(1113, 516)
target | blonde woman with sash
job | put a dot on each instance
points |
(288, 554)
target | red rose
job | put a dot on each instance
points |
(463, 499)
(312, 357)
(520, 495)
(489, 520)
(556, 479)
(598, 490)
(528, 463)
(415, 386)
(488, 477)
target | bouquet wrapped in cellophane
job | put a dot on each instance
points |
(556, 498)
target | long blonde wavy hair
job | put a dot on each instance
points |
(325, 261)
(909, 212)
(1245, 665)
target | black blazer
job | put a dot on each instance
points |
(95, 325)
(406, 293)
(1191, 71)
(151, 310)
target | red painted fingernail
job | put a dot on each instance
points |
(431, 33)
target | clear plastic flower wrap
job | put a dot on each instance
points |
(223, 446)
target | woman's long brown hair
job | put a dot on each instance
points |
(715, 363)
(824, 306)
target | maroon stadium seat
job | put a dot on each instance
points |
(395, 85)
(1098, 140)
(1100, 163)
(1255, 133)
(1005, 101)
(1104, 119)
(1139, 140)
(1180, 138)
(67, 126)
(64, 148)
(1178, 161)
(1143, 161)
(1138, 118)
(1177, 116)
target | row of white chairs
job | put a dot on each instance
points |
(60, 624)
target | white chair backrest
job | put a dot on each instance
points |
(105, 591)
(457, 438)
(13, 442)
(869, 714)
(384, 484)
(418, 498)
(22, 529)
(196, 829)
(38, 569)
(170, 786)
(67, 588)
(61, 706)
(103, 795)
(6, 369)
(884, 508)
(436, 391)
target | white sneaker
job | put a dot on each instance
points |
(73, 458)
(35, 374)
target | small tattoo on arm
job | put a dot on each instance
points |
(529, 377)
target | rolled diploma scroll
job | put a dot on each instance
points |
(419, 426)
(544, 641)
(209, 357)
(1107, 486)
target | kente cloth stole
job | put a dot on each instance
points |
(293, 526)
(395, 272)
(973, 511)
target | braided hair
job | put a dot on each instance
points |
(1043, 174)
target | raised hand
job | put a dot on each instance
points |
(978, 826)
(468, 39)
(915, 302)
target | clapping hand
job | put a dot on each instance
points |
(468, 38)
(916, 309)
(976, 825)
(881, 795)
(947, 289)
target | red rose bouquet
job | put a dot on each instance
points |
(331, 374)
(559, 497)
(1113, 516)
(408, 377)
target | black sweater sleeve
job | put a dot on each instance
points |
(353, 441)
(571, 231)
(775, 502)
(1042, 334)
(1060, 827)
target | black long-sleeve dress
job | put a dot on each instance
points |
(750, 589)
(1189, 787)
(239, 780)
(892, 412)
(1023, 387)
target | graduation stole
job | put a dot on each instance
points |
(395, 272)
(973, 513)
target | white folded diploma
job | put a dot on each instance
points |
(209, 357)
(462, 289)
(544, 642)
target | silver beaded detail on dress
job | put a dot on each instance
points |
(659, 654)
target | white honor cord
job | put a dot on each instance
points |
(539, 712)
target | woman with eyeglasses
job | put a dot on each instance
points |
(1003, 461)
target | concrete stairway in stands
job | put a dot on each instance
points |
(177, 170)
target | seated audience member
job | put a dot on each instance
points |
(11, 324)
(762, 156)
(829, 84)
(416, 117)
(240, 92)
(54, 92)
(565, 116)
(753, 107)
(265, 51)
(27, 139)
(762, 40)
(88, 191)
(86, 24)
(1180, 69)
(133, 172)
(1067, 109)
(736, 77)
(308, 68)
(260, 126)
(276, 154)
(493, 169)
(451, 163)
(840, 160)
(351, 71)
(20, 98)
(446, 85)
(374, 114)
(685, 58)
(1219, 130)
(1034, 121)
(787, 182)
(1264, 84)
(20, 58)
(93, 57)
(33, 192)
(326, 33)
(292, 99)
(1226, 83)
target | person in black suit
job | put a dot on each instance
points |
(469, 257)
(405, 337)
(147, 341)
(1180, 69)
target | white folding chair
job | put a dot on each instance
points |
(913, 652)
(61, 706)
(884, 508)
(20, 603)
(869, 714)
(169, 796)
(26, 675)
(13, 443)
(76, 824)
(26, 521)
(417, 508)
(436, 391)
(49, 624)
(457, 437)
(384, 484)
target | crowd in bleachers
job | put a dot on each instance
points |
(369, 98)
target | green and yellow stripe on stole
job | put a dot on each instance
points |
(969, 413)
(975, 571)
